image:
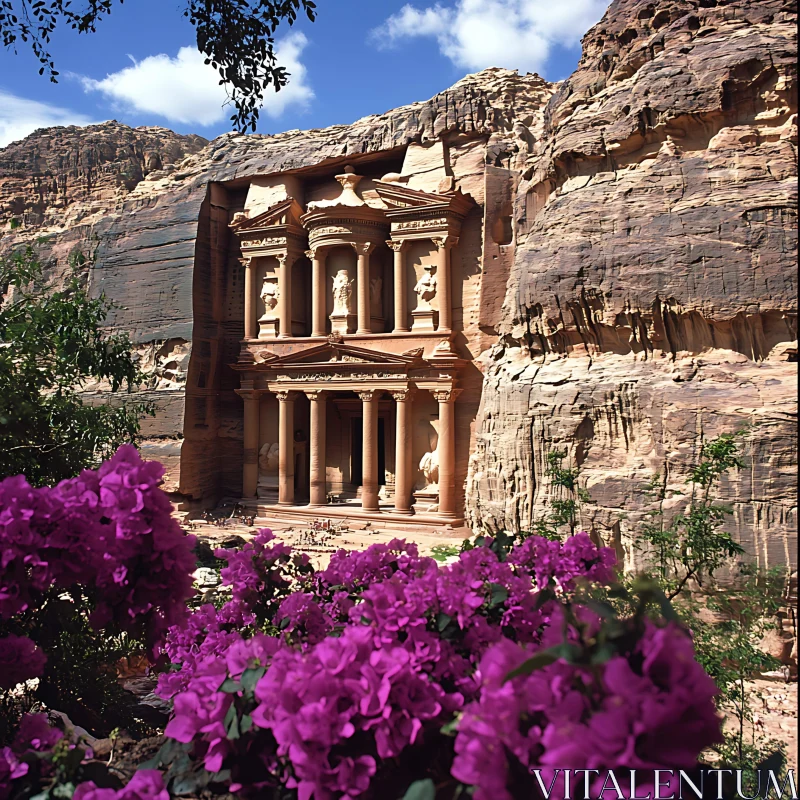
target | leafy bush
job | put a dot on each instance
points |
(51, 343)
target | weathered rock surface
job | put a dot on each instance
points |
(57, 176)
(652, 300)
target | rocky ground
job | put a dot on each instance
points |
(319, 544)
(775, 704)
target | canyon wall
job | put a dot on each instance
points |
(653, 295)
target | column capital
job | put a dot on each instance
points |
(245, 261)
(316, 394)
(445, 395)
(445, 242)
(363, 248)
(369, 394)
(287, 256)
(285, 396)
(316, 251)
(402, 395)
(397, 246)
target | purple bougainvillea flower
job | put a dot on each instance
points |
(20, 660)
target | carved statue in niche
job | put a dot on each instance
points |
(376, 296)
(426, 288)
(270, 295)
(429, 466)
(342, 292)
(268, 458)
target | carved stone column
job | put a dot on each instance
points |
(444, 282)
(363, 250)
(285, 294)
(318, 486)
(251, 430)
(318, 323)
(249, 299)
(403, 482)
(369, 460)
(285, 448)
(400, 289)
(447, 450)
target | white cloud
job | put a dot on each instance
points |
(20, 116)
(185, 90)
(475, 34)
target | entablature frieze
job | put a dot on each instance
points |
(294, 244)
(356, 233)
(423, 223)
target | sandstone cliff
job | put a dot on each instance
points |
(652, 301)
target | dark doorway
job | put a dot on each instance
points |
(357, 451)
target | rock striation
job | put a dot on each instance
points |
(652, 299)
(636, 254)
(58, 176)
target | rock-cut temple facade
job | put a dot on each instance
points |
(361, 310)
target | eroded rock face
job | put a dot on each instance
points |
(57, 176)
(652, 300)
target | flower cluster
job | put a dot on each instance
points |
(11, 768)
(261, 572)
(146, 784)
(315, 702)
(20, 660)
(112, 530)
(646, 709)
(384, 650)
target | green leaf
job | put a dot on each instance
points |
(233, 727)
(566, 650)
(421, 790)
(543, 659)
(450, 728)
(190, 782)
(442, 621)
(229, 716)
(499, 595)
(230, 686)
(245, 723)
(602, 654)
(250, 677)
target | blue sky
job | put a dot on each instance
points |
(359, 57)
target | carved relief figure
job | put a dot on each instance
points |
(342, 292)
(426, 288)
(376, 296)
(268, 458)
(270, 295)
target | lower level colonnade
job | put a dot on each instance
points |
(373, 449)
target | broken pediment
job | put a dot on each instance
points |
(400, 198)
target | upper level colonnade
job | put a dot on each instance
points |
(340, 266)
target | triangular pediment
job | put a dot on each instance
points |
(342, 353)
(284, 214)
